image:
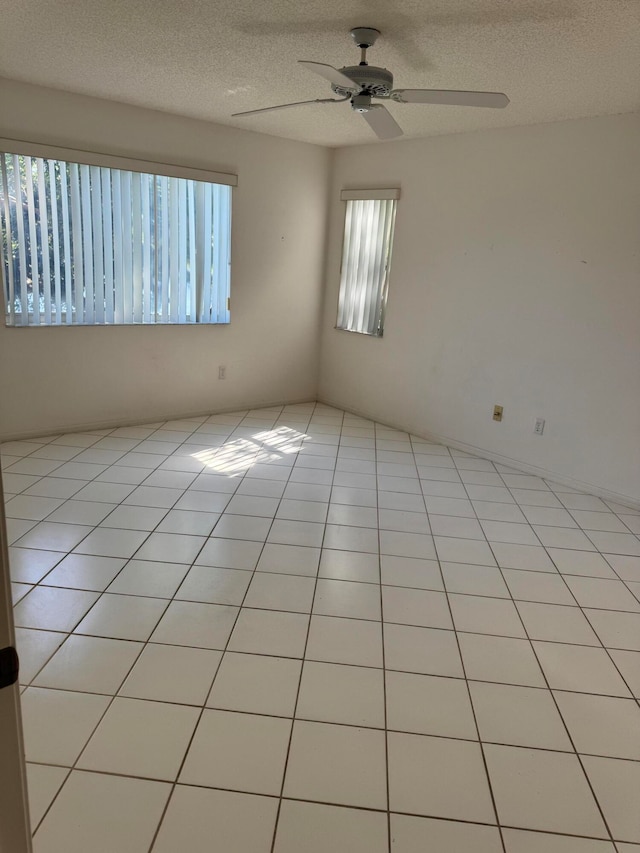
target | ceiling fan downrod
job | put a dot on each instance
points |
(364, 37)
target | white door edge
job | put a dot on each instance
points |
(15, 833)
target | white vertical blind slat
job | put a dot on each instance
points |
(372, 268)
(22, 259)
(24, 297)
(127, 248)
(87, 237)
(44, 240)
(33, 238)
(373, 251)
(118, 251)
(217, 269)
(223, 234)
(145, 211)
(136, 242)
(107, 243)
(192, 296)
(165, 280)
(364, 263)
(66, 244)
(77, 259)
(214, 297)
(357, 237)
(164, 240)
(96, 228)
(6, 225)
(55, 239)
(174, 240)
(388, 242)
(182, 252)
(378, 266)
(342, 295)
(155, 276)
(200, 269)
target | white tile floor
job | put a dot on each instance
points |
(292, 630)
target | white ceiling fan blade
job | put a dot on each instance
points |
(381, 122)
(450, 97)
(331, 74)
(294, 104)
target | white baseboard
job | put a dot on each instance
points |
(171, 416)
(525, 467)
(561, 479)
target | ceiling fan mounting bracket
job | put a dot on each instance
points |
(365, 37)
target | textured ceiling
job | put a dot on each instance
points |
(556, 59)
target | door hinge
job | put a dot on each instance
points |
(9, 667)
(228, 303)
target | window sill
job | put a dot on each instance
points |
(375, 335)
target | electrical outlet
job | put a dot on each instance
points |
(222, 372)
(539, 426)
(497, 413)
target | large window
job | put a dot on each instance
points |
(366, 259)
(92, 244)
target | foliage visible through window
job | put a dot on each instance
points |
(366, 257)
(94, 245)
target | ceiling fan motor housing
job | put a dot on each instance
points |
(369, 79)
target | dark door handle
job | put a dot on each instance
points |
(9, 667)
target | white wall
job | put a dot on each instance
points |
(515, 280)
(55, 378)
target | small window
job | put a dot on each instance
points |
(95, 245)
(366, 259)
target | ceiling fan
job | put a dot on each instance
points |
(360, 83)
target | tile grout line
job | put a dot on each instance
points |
(471, 704)
(544, 676)
(367, 727)
(297, 698)
(541, 832)
(353, 665)
(204, 707)
(384, 662)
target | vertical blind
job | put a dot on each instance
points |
(88, 245)
(368, 237)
